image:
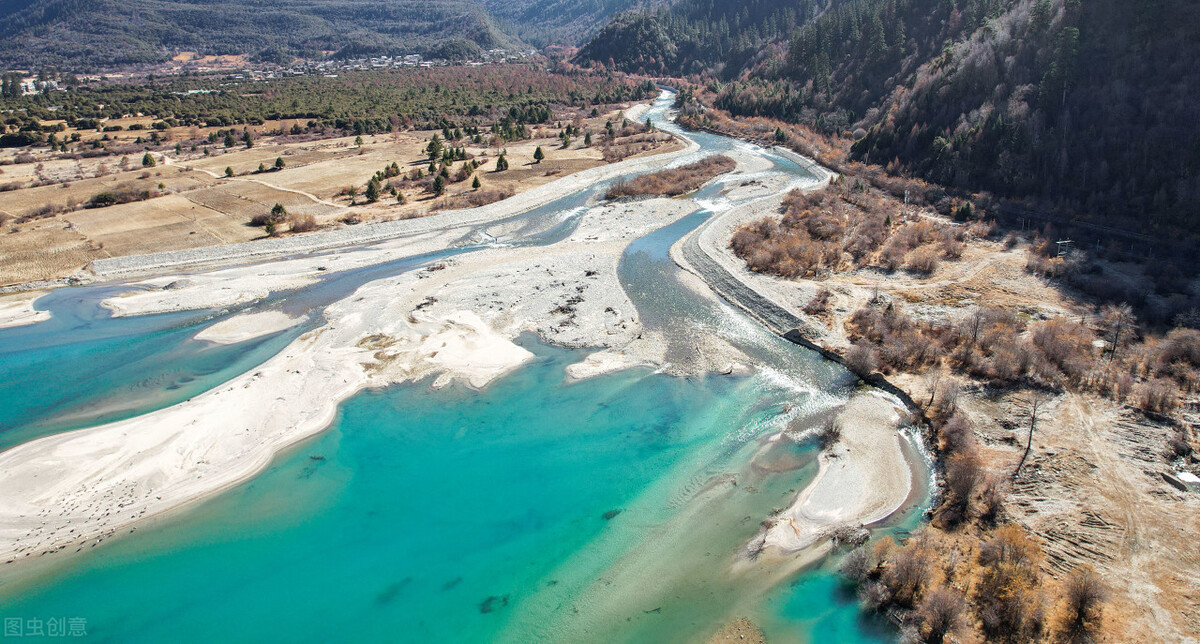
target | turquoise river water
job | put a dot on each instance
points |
(536, 510)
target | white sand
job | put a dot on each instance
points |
(456, 323)
(862, 479)
(17, 309)
(603, 362)
(247, 326)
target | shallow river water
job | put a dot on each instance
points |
(536, 510)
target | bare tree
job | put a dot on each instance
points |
(1119, 321)
(1034, 402)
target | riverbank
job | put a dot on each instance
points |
(1042, 481)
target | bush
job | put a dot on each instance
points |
(862, 359)
(673, 182)
(1159, 395)
(277, 215)
(907, 573)
(1007, 596)
(476, 198)
(857, 564)
(963, 472)
(940, 613)
(1082, 604)
(819, 303)
(302, 223)
(119, 195)
(924, 259)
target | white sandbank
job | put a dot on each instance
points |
(247, 326)
(455, 323)
(862, 479)
(17, 309)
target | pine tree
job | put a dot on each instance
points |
(439, 185)
(372, 194)
(501, 164)
(228, 171)
(475, 184)
(148, 161)
(434, 149)
(538, 155)
(278, 163)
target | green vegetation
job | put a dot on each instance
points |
(695, 36)
(125, 193)
(1076, 108)
(362, 102)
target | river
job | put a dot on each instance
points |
(538, 509)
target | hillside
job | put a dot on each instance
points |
(1079, 107)
(88, 34)
(544, 22)
(695, 36)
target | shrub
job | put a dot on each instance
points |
(1081, 607)
(819, 303)
(121, 194)
(962, 476)
(924, 259)
(1159, 395)
(862, 358)
(907, 573)
(1007, 598)
(675, 181)
(277, 215)
(302, 223)
(940, 613)
(857, 564)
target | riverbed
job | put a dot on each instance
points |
(422, 458)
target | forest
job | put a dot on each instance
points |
(1082, 109)
(697, 36)
(363, 102)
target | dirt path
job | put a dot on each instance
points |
(171, 162)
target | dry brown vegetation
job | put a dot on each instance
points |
(982, 345)
(1003, 349)
(475, 198)
(984, 585)
(845, 227)
(49, 233)
(674, 181)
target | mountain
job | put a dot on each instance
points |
(88, 34)
(1086, 106)
(544, 22)
(694, 36)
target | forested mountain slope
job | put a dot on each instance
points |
(1085, 104)
(83, 34)
(695, 36)
(543, 22)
